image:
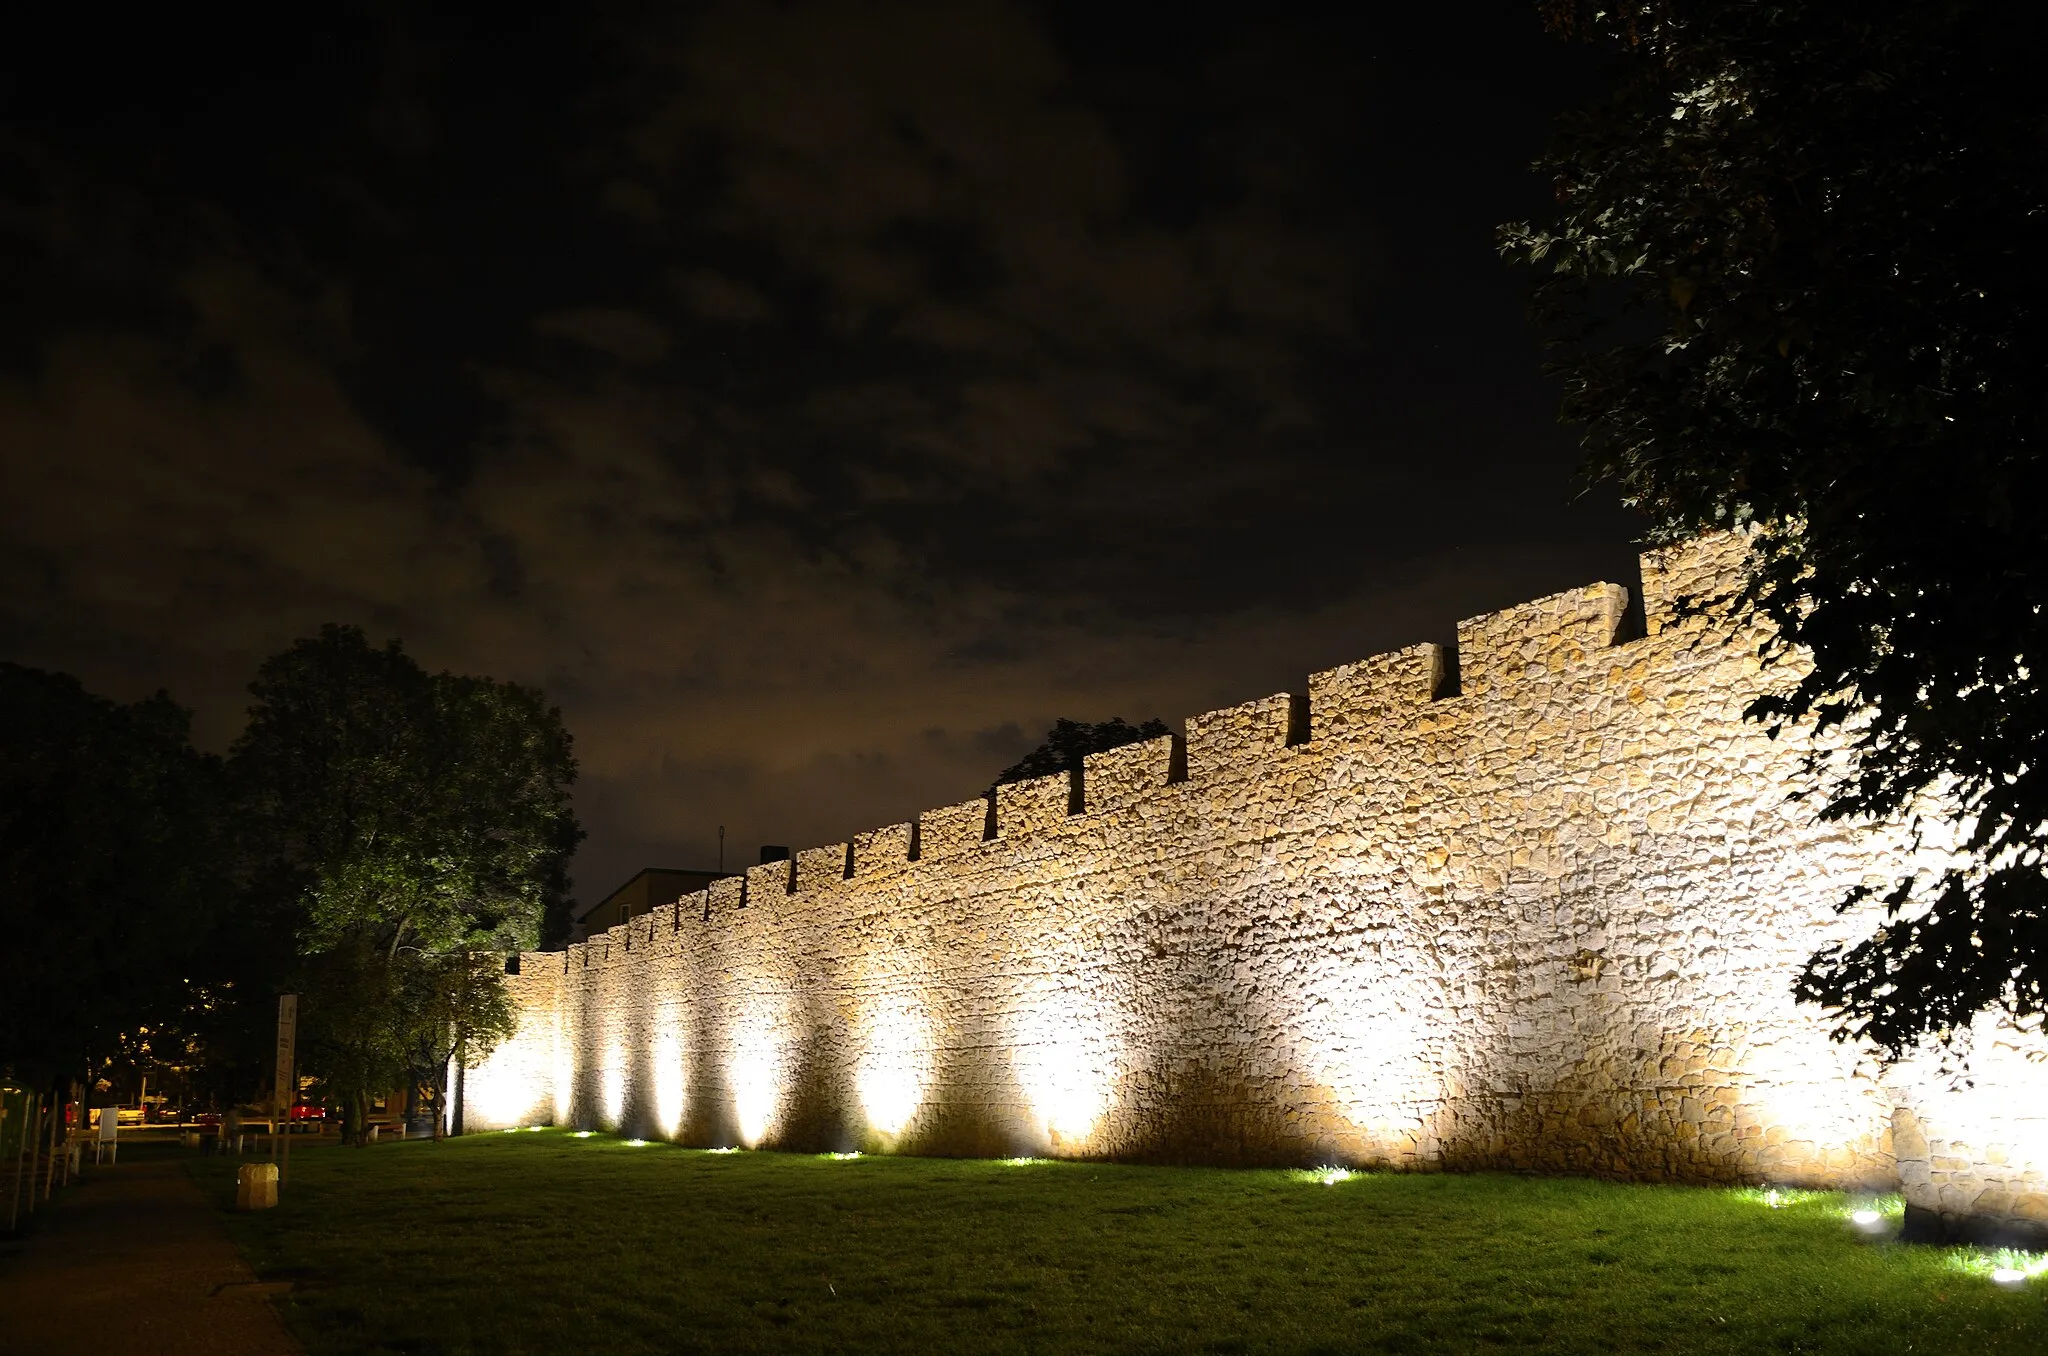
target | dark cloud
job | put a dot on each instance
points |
(816, 399)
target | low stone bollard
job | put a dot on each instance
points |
(256, 1186)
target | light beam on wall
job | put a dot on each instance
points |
(1802, 1087)
(756, 1076)
(613, 1080)
(504, 1087)
(1368, 1029)
(564, 1068)
(895, 1062)
(501, 1090)
(670, 1075)
(1065, 1057)
(2004, 1102)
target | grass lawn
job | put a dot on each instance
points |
(545, 1242)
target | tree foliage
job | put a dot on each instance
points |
(1070, 741)
(1797, 280)
(421, 825)
(355, 1026)
(111, 868)
(426, 810)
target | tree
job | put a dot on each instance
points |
(459, 1012)
(421, 821)
(111, 869)
(355, 1027)
(1796, 280)
(424, 810)
(1070, 741)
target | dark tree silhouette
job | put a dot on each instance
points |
(1070, 741)
(1798, 280)
(111, 873)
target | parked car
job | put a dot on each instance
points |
(308, 1118)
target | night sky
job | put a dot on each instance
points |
(816, 399)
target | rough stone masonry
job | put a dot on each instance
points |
(1534, 902)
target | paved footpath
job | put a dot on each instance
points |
(133, 1258)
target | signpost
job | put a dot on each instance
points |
(285, 1087)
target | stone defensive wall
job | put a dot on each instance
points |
(1534, 901)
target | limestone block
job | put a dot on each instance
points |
(1704, 572)
(1238, 739)
(1119, 776)
(770, 882)
(952, 828)
(881, 849)
(1529, 644)
(1373, 695)
(729, 893)
(1992, 1201)
(821, 867)
(1908, 1139)
(1032, 806)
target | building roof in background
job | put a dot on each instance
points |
(627, 886)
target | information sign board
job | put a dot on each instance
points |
(287, 1047)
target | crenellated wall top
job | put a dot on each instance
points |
(1504, 658)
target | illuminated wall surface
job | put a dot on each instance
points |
(1549, 922)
